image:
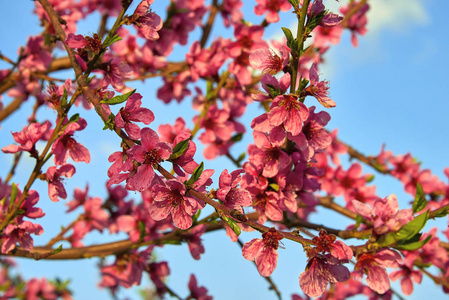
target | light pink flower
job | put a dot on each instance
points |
(27, 138)
(273, 7)
(385, 214)
(373, 265)
(268, 61)
(40, 289)
(20, 233)
(263, 251)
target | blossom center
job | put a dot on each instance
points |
(152, 157)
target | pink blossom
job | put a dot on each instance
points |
(273, 7)
(133, 112)
(268, 205)
(40, 289)
(171, 200)
(54, 177)
(263, 251)
(193, 239)
(357, 22)
(27, 138)
(269, 158)
(20, 233)
(288, 111)
(149, 154)
(116, 71)
(269, 83)
(230, 194)
(407, 274)
(373, 265)
(320, 271)
(126, 270)
(319, 89)
(268, 61)
(75, 41)
(197, 292)
(148, 23)
(66, 145)
(385, 214)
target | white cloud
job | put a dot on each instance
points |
(395, 15)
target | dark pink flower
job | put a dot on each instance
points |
(20, 233)
(320, 271)
(193, 239)
(66, 145)
(319, 89)
(263, 251)
(407, 274)
(230, 194)
(197, 292)
(267, 157)
(54, 177)
(148, 23)
(288, 111)
(171, 200)
(357, 22)
(149, 154)
(127, 269)
(133, 112)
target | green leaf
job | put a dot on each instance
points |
(109, 124)
(413, 245)
(196, 174)
(196, 216)
(57, 250)
(274, 186)
(291, 42)
(237, 138)
(142, 230)
(109, 41)
(413, 227)
(315, 21)
(73, 118)
(441, 212)
(273, 91)
(64, 99)
(179, 149)
(241, 157)
(420, 201)
(370, 178)
(118, 99)
(358, 221)
(231, 224)
(294, 3)
(13, 196)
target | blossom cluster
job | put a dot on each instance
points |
(291, 167)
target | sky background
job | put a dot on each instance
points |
(390, 90)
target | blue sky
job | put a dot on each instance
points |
(392, 89)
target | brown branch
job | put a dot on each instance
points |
(210, 22)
